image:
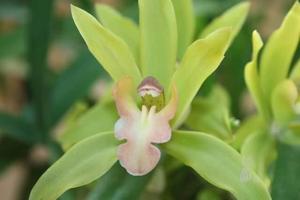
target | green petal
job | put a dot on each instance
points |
(100, 118)
(253, 80)
(279, 51)
(218, 163)
(158, 39)
(121, 26)
(257, 151)
(185, 24)
(211, 114)
(111, 51)
(201, 60)
(82, 164)
(234, 17)
(248, 127)
(284, 98)
(295, 74)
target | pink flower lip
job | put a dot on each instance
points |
(141, 129)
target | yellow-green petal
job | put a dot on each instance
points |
(253, 80)
(248, 127)
(82, 164)
(218, 163)
(211, 114)
(110, 50)
(279, 51)
(284, 98)
(257, 152)
(185, 19)
(234, 17)
(201, 60)
(158, 39)
(99, 118)
(295, 74)
(123, 27)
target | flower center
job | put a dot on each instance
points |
(152, 93)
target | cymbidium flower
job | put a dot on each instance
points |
(154, 88)
(142, 128)
(151, 123)
(275, 94)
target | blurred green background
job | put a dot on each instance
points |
(45, 68)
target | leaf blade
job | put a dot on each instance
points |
(17, 127)
(286, 175)
(96, 154)
(72, 85)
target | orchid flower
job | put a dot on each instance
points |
(142, 128)
(275, 94)
(153, 91)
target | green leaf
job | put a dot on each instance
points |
(257, 151)
(121, 26)
(211, 114)
(82, 164)
(253, 80)
(218, 163)
(279, 51)
(39, 35)
(158, 39)
(13, 43)
(72, 85)
(234, 18)
(111, 51)
(99, 118)
(17, 128)
(185, 20)
(201, 60)
(117, 184)
(285, 183)
(283, 99)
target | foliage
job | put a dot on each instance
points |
(213, 152)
